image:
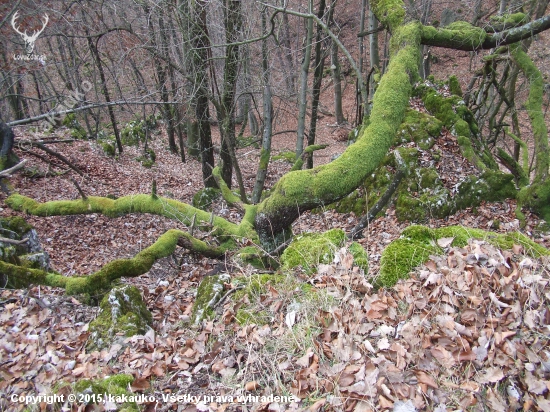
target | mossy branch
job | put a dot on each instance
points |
(463, 36)
(100, 281)
(141, 203)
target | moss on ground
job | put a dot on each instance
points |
(123, 314)
(311, 249)
(256, 257)
(417, 243)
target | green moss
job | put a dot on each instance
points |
(255, 257)
(15, 224)
(108, 149)
(322, 185)
(360, 256)
(132, 204)
(289, 156)
(77, 131)
(514, 19)
(459, 31)
(537, 198)
(210, 291)
(311, 249)
(454, 86)
(264, 159)
(123, 313)
(116, 385)
(204, 198)
(401, 256)
(133, 133)
(420, 128)
(391, 13)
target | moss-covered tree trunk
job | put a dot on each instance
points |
(303, 190)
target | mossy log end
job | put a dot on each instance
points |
(101, 281)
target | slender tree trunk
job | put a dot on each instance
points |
(373, 48)
(336, 72)
(319, 65)
(268, 118)
(200, 43)
(105, 89)
(304, 72)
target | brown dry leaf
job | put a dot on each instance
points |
(490, 375)
(445, 241)
(443, 356)
(426, 379)
(495, 401)
(536, 386)
(140, 385)
(251, 386)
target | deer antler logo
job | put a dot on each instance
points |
(29, 40)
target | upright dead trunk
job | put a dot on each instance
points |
(105, 89)
(373, 48)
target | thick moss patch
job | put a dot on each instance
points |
(417, 243)
(311, 249)
(123, 314)
(420, 128)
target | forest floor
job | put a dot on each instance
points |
(468, 330)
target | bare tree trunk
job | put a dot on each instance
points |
(268, 118)
(373, 48)
(200, 43)
(319, 65)
(302, 99)
(336, 73)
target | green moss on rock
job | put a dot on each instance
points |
(123, 314)
(420, 128)
(454, 86)
(310, 249)
(255, 257)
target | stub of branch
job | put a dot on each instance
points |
(80, 191)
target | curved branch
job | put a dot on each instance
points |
(100, 281)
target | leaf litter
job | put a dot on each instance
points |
(467, 330)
